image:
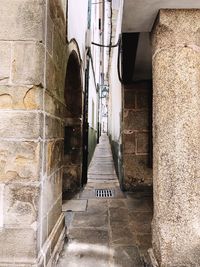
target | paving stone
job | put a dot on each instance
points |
(89, 236)
(140, 204)
(117, 203)
(90, 219)
(140, 222)
(121, 234)
(111, 231)
(97, 205)
(127, 257)
(84, 255)
(144, 241)
(74, 205)
(118, 214)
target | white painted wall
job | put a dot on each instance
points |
(115, 95)
(77, 23)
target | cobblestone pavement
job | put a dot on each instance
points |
(110, 232)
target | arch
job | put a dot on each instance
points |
(73, 86)
(73, 95)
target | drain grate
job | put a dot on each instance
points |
(104, 193)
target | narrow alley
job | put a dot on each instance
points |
(106, 231)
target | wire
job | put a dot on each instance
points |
(107, 46)
(119, 60)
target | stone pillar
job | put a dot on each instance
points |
(176, 122)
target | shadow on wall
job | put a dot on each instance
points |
(133, 159)
(73, 125)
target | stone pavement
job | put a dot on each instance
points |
(110, 232)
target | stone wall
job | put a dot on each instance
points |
(32, 55)
(136, 135)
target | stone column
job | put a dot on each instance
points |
(176, 122)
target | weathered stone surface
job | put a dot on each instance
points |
(52, 190)
(129, 142)
(142, 143)
(25, 20)
(55, 152)
(49, 37)
(54, 127)
(89, 236)
(91, 219)
(127, 256)
(20, 125)
(5, 55)
(21, 205)
(140, 222)
(136, 171)
(74, 205)
(20, 161)
(28, 63)
(20, 97)
(121, 233)
(19, 247)
(129, 99)
(72, 177)
(54, 214)
(176, 64)
(136, 120)
(53, 106)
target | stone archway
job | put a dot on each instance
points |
(73, 95)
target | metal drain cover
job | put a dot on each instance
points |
(103, 193)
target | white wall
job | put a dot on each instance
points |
(77, 23)
(115, 95)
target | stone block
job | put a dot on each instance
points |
(52, 189)
(17, 124)
(5, 56)
(53, 106)
(21, 205)
(72, 177)
(49, 37)
(129, 142)
(57, 51)
(54, 152)
(18, 245)
(20, 161)
(54, 214)
(129, 99)
(54, 127)
(21, 97)
(25, 20)
(28, 63)
(142, 143)
(136, 171)
(57, 14)
(50, 75)
(143, 99)
(136, 120)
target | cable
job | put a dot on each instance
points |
(119, 61)
(106, 46)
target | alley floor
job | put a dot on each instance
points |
(113, 231)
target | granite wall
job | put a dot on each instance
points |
(136, 135)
